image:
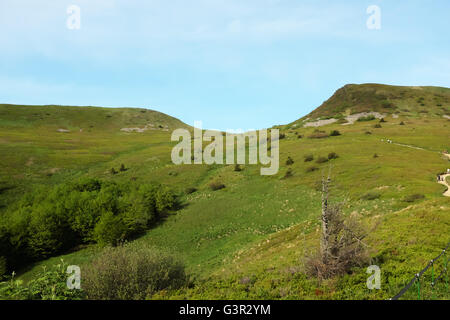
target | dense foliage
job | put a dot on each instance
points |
(49, 221)
(48, 285)
(132, 272)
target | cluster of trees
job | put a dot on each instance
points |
(49, 221)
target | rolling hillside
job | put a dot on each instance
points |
(249, 239)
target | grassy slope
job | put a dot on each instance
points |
(407, 101)
(260, 227)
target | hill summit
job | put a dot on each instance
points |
(384, 99)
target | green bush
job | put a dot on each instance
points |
(216, 185)
(321, 160)
(367, 118)
(191, 190)
(414, 197)
(318, 135)
(48, 285)
(110, 230)
(387, 104)
(335, 133)
(312, 169)
(289, 161)
(377, 126)
(165, 200)
(237, 168)
(132, 273)
(49, 231)
(309, 158)
(371, 196)
(289, 173)
(332, 156)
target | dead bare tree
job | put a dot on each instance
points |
(341, 241)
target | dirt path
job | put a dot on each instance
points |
(443, 177)
(444, 182)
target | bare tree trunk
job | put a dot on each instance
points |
(324, 243)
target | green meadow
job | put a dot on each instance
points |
(249, 239)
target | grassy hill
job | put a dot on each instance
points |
(390, 100)
(50, 144)
(249, 239)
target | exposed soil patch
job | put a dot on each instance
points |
(351, 119)
(354, 117)
(30, 162)
(147, 127)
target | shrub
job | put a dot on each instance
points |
(216, 185)
(368, 132)
(382, 120)
(312, 169)
(132, 273)
(191, 190)
(289, 161)
(371, 196)
(165, 200)
(113, 171)
(237, 168)
(402, 123)
(110, 230)
(48, 285)
(309, 158)
(122, 168)
(3, 269)
(375, 155)
(282, 136)
(414, 197)
(321, 160)
(335, 133)
(387, 104)
(289, 173)
(377, 126)
(341, 247)
(318, 135)
(332, 155)
(367, 118)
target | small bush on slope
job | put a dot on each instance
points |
(132, 273)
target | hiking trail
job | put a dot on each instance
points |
(442, 177)
(444, 182)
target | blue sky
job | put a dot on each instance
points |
(233, 64)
